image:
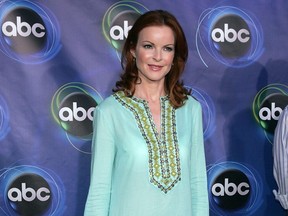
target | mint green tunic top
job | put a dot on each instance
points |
(136, 171)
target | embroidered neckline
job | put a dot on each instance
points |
(163, 149)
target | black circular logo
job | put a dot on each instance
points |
(24, 31)
(270, 110)
(231, 190)
(76, 114)
(29, 195)
(120, 26)
(231, 36)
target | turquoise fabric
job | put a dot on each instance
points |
(124, 180)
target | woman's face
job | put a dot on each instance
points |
(154, 53)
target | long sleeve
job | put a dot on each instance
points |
(280, 154)
(103, 152)
(200, 204)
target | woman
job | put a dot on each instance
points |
(148, 154)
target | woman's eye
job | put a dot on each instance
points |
(169, 49)
(147, 46)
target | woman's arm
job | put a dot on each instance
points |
(200, 204)
(103, 151)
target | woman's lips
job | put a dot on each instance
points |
(155, 67)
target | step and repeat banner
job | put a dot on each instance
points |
(60, 59)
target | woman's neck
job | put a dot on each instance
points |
(149, 92)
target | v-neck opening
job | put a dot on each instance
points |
(153, 124)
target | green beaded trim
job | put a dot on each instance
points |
(163, 149)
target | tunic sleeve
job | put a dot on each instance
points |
(103, 152)
(280, 153)
(200, 205)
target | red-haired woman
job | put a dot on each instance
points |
(148, 153)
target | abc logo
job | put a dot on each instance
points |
(25, 31)
(231, 190)
(267, 113)
(120, 26)
(29, 194)
(76, 114)
(232, 36)
(270, 110)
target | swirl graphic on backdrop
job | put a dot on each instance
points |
(72, 108)
(30, 190)
(267, 106)
(30, 33)
(208, 110)
(230, 35)
(118, 20)
(4, 119)
(234, 189)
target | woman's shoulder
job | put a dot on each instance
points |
(192, 101)
(191, 109)
(107, 103)
(111, 102)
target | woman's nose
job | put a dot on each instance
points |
(157, 55)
